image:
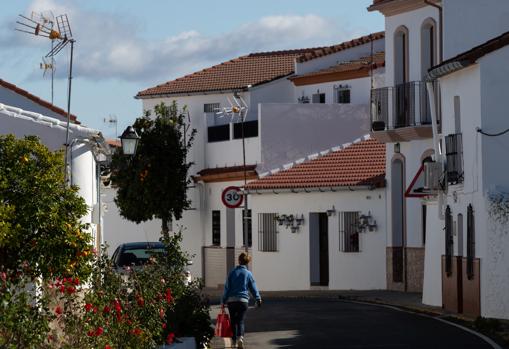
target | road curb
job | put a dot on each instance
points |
(435, 316)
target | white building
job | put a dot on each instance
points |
(401, 117)
(321, 221)
(279, 129)
(87, 150)
(474, 144)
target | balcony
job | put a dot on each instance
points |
(401, 113)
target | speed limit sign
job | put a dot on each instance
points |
(232, 197)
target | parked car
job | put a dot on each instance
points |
(137, 254)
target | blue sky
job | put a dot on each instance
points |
(124, 46)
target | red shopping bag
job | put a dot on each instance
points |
(223, 325)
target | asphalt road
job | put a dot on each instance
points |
(330, 323)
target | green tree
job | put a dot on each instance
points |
(40, 227)
(153, 183)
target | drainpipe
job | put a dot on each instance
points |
(441, 23)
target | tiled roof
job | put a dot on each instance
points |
(471, 56)
(358, 164)
(37, 100)
(361, 64)
(324, 51)
(236, 74)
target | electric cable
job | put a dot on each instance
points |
(492, 134)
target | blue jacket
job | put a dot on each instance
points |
(239, 282)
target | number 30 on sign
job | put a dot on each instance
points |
(232, 197)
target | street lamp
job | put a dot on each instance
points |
(129, 141)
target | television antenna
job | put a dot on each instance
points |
(43, 24)
(112, 120)
(237, 108)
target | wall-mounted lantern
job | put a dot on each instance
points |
(331, 211)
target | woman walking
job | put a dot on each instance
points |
(236, 294)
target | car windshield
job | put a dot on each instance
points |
(138, 255)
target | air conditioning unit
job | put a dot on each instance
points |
(432, 173)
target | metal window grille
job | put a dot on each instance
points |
(249, 228)
(342, 94)
(267, 232)
(216, 228)
(454, 157)
(449, 241)
(470, 242)
(349, 232)
(250, 129)
(211, 107)
(380, 108)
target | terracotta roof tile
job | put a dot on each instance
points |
(37, 100)
(324, 51)
(350, 66)
(360, 164)
(236, 74)
(253, 69)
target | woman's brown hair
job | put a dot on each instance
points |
(244, 258)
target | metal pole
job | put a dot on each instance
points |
(66, 166)
(244, 215)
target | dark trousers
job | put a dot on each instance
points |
(237, 312)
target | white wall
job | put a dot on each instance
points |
(118, 230)
(292, 131)
(289, 268)
(469, 23)
(341, 56)
(359, 90)
(413, 21)
(435, 248)
(413, 152)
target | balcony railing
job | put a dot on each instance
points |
(404, 105)
(454, 157)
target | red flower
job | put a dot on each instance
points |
(161, 313)
(58, 310)
(118, 308)
(170, 338)
(88, 307)
(140, 301)
(90, 333)
(164, 326)
(62, 288)
(99, 331)
(106, 309)
(107, 346)
(76, 281)
(4, 276)
(71, 289)
(136, 331)
(168, 295)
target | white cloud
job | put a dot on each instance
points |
(110, 47)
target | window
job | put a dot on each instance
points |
(218, 133)
(454, 158)
(342, 94)
(449, 241)
(424, 209)
(470, 242)
(401, 55)
(250, 129)
(349, 232)
(319, 98)
(211, 107)
(428, 45)
(246, 221)
(267, 232)
(216, 228)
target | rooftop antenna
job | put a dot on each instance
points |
(43, 25)
(239, 108)
(112, 120)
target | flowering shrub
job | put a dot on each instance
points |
(134, 308)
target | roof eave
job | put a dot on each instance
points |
(311, 189)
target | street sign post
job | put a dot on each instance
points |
(232, 197)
